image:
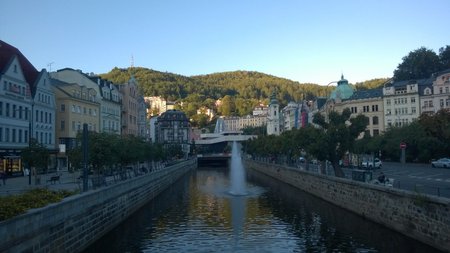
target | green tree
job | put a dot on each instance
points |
(227, 108)
(444, 57)
(36, 155)
(418, 64)
(337, 136)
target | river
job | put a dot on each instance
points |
(197, 214)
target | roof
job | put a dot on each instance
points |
(365, 94)
(173, 115)
(343, 90)
(7, 54)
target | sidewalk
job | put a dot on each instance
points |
(17, 185)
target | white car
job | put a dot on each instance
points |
(443, 162)
(376, 163)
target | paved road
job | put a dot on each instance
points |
(421, 178)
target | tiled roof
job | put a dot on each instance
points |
(364, 94)
(7, 53)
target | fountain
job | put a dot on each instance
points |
(237, 178)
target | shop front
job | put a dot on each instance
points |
(11, 164)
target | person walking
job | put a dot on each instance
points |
(3, 177)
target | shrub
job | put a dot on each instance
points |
(11, 206)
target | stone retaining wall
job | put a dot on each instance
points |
(423, 217)
(78, 221)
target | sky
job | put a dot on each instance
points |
(309, 41)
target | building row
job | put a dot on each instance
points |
(395, 104)
(53, 107)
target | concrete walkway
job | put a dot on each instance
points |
(17, 185)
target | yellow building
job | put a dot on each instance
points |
(76, 105)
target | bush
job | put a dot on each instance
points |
(11, 206)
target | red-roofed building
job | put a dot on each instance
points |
(23, 89)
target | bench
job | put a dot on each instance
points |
(54, 179)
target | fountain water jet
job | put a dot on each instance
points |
(238, 187)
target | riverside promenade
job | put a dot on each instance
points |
(18, 185)
(67, 180)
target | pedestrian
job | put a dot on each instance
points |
(3, 176)
(382, 178)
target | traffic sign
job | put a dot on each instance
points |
(402, 145)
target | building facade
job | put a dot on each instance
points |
(173, 128)
(110, 110)
(273, 117)
(27, 108)
(401, 101)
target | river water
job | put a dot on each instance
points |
(197, 214)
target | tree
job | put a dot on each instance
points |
(36, 155)
(337, 136)
(418, 64)
(227, 107)
(444, 57)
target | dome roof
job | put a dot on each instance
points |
(343, 90)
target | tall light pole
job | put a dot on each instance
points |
(30, 136)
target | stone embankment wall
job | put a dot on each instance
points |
(423, 217)
(78, 221)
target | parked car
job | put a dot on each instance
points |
(376, 163)
(443, 162)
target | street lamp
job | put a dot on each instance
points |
(30, 136)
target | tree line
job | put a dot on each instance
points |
(426, 138)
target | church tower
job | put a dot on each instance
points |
(273, 116)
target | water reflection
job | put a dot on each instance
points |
(195, 215)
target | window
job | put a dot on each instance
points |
(375, 120)
(1, 108)
(388, 102)
(413, 110)
(374, 108)
(13, 139)
(20, 136)
(15, 68)
(1, 134)
(413, 100)
(7, 109)
(63, 108)
(441, 102)
(20, 112)
(14, 110)
(376, 132)
(73, 108)
(7, 134)
(62, 125)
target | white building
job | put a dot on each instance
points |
(401, 101)
(239, 123)
(441, 91)
(273, 118)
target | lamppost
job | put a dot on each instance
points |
(30, 136)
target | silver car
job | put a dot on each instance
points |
(443, 162)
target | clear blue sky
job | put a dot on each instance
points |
(306, 41)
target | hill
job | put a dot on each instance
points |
(240, 84)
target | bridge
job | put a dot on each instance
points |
(212, 147)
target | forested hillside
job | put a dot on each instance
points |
(238, 84)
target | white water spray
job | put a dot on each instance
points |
(237, 172)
